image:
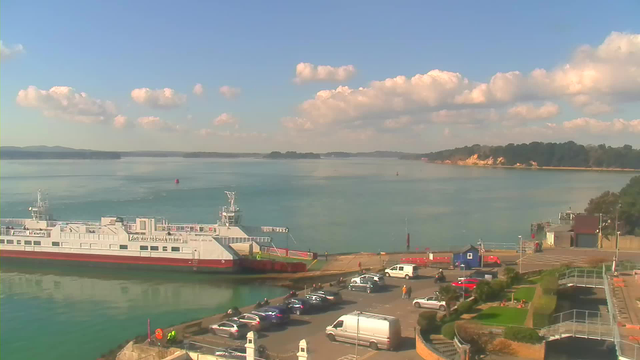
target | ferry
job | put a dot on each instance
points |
(142, 242)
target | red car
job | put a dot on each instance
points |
(468, 283)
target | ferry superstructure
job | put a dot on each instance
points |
(145, 241)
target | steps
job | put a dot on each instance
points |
(444, 346)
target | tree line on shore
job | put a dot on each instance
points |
(625, 203)
(567, 154)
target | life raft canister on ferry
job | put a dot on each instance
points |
(159, 334)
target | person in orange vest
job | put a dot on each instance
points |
(404, 291)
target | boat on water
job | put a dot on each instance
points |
(141, 242)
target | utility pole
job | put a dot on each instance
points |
(617, 236)
(357, 332)
(481, 243)
(520, 254)
(600, 232)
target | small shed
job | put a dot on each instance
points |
(469, 257)
(559, 236)
(586, 232)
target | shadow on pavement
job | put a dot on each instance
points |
(298, 322)
(406, 343)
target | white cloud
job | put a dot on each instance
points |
(594, 80)
(225, 119)
(593, 126)
(155, 123)
(295, 123)
(230, 92)
(198, 89)
(63, 102)
(7, 53)
(120, 122)
(306, 72)
(465, 116)
(397, 123)
(530, 112)
(160, 98)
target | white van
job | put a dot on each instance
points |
(407, 271)
(373, 330)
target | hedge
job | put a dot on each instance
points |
(428, 321)
(449, 330)
(542, 310)
(522, 335)
(465, 306)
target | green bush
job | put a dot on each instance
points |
(428, 321)
(483, 291)
(498, 286)
(449, 330)
(522, 335)
(511, 276)
(549, 284)
(465, 306)
(542, 309)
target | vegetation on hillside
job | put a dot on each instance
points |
(291, 155)
(568, 154)
(626, 203)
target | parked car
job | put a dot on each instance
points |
(429, 302)
(319, 302)
(373, 330)
(277, 315)
(364, 285)
(298, 306)
(374, 277)
(256, 322)
(333, 296)
(230, 328)
(467, 283)
(407, 271)
(481, 275)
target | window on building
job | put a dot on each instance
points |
(9, 241)
(164, 248)
(469, 255)
(28, 242)
(19, 242)
(154, 248)
(37, 242)
(55, 243)
(124, 247)
(1, 241)
(144, 247)
(175, 248)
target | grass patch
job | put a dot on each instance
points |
(502, 316)
(524, 293)
(533, 280)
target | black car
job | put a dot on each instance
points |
(319, 302)
(362, 285)
(278, 315)
(298, 306)
(333, 296)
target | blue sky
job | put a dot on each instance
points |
(55, 51)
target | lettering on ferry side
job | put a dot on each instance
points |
(169, 239)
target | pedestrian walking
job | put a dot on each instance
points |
(404, 291)
(359, 265)
(409, 292)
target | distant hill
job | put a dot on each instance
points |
(54, 152)
(291, 155)
(538, 154)
(218, 155)
(371, 154)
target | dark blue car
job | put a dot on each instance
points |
(277, 315)
(298, 306)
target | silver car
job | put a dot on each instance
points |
(255, 322)
(230, 328)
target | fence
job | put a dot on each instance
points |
(581, 323)
(582, 277)
(625, 349)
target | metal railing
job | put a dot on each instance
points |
(462, 347)
(580, 323)
(625, 349)
(582, 277)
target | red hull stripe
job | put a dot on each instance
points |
(201, 263)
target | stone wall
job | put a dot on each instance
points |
(627, 242)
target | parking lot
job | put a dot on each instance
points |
(282, 342)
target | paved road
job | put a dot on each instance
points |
(284, 342)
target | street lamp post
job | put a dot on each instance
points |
(520, 254)
(481, 244)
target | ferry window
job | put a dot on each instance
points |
(37, 242)
(1, 241)
(164, 248)
(144, 247)
(124, 247)
(175, 248)
(66, 244)
(27, 242)
(154, 248)
(19, 242)
(10, 242)
(143, 225)
(55, 243)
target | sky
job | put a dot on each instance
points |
(245, 76)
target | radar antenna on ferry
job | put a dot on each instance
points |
(40, 210)
(230, 215)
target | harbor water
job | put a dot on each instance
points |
(334, 205)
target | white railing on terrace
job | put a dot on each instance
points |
(580, 323)
(582, 277)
